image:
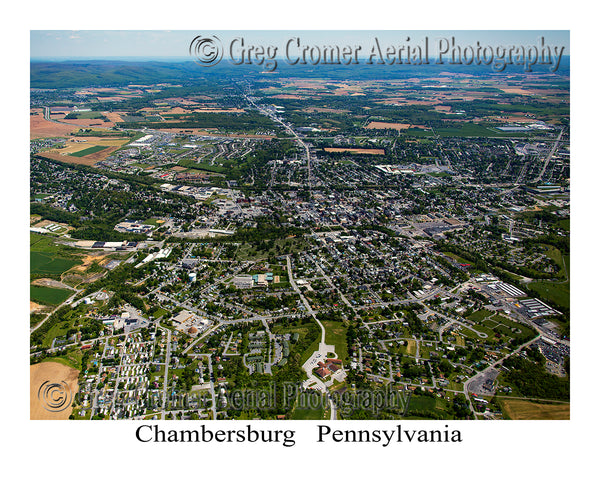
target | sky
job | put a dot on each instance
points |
(50, 44)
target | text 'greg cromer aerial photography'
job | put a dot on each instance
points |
(299, 225)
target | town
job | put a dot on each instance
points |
(194, 245)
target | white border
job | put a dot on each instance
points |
(491, 449)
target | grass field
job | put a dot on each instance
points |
(565, 224)
(456, 257)
(503, 325)
(557, 257)
(47, 295)
(526, 410)
(88, 115)
(48, 258)
(310, 350)
(421, 404)
(309, 406)
(71, 358)
(49, 264)
(202, 166)
(153, 221)
(556, 292)
(479, 315)
(88, 151)
(160, 312)
(335, 334)
(465, 130)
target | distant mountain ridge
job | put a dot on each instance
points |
(89, 73)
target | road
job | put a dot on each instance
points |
(66, 302)
(290, 130)
(549, 157)
(309, 309)
(166, 380)
(330, 282)
(208, 332)
(490, 367)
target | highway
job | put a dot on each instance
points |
(291, 131)
(550, 155)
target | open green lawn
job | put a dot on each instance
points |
(335, 334)
(479, 315)
(202, 166)
(505, 326)
(556, 292)
(160, 312)
(309, 406)
(557, 257)
(47, 295)
(152, 221)
(419, 405)
(281, 246)
(565, 224)
(87, 151)
(310, 350)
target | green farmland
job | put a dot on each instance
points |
(49, 258)
(87, 151)
(47, 295)
(44, 263)
(465, 130)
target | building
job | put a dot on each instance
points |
(243, 281)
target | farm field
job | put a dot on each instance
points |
(526, 410)
(465, 130)
(88, 151)
(47, 258)
(386, 125)
(39, 127)
(47, 295)
(55, 373)
(364, 151)
(49, 264)
(88, 160)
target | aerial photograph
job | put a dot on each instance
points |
(299, 225)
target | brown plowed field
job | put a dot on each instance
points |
(89, 160)
(368, 151)
(39, 127)
(385, 125)
(52, 373)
